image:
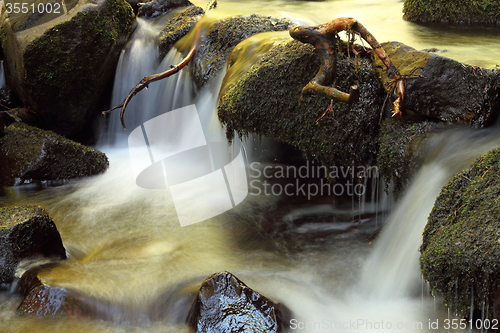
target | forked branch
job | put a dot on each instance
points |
(144, 83)
(324, 38)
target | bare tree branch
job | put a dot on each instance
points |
(144, 83)
(324, 38)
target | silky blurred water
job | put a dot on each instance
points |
(130, 258)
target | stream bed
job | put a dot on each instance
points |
(323, 256)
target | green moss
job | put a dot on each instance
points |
(266, 100)
(177, 27)
(400, 153)
(461, 243)
(453, 11)
(72, 56)
(32, 154)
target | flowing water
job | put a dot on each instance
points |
(131, 259)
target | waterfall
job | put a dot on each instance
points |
(129, 256)
(2, 74)
(392, 269)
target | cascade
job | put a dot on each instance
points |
(126, 246)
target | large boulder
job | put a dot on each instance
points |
(452, 11)
(29, 154)
(26, 232)
(266, 99)
(216, 46)
(460, 254)
(59, 62)
(226, 304)
(442, 88)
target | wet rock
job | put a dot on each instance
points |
(29, 154)
(160, 7)
(460, 254)
(60, 62)
(265, 99)
(226, 304)
(443, 88)
(452, 11)
(215, 47)
(43, 300)
(177, 27)
(400, 152)
(26, 232)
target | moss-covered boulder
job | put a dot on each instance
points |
(452, 11)
(442, 88)
(60, 62)
(216, 46)
(177, 27)
(400, 152)
(460, 254)
(266, 100)
(29, 154)
(26, 232)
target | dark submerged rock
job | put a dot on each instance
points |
(442, 88)
(215, 47)
(60, 63)
(178, 27)
(452, 11)
(26, 232)
(29, 154)
(266, 100)
(460, 254)
(226, 304)
(160, 7)
(41, 299)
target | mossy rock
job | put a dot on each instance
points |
(59, 67)
(453, 11)
(29, 154)
(216, 46)
(442, 88)
(400, 152)
(177, 27)
(460, 254)
(26, 232)
(266, 100)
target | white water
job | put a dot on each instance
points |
(126, 245)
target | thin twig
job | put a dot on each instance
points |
(144, 83)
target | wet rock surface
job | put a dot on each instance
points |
(41, 299)
(26, 232)
(442, 88)
(226, 304)
(266, 100)
(29, 154)
(401, 152)
(460, 254)
(160, 7)
(60, 63)
(215, 47)
(178, 27)
(452, 11)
